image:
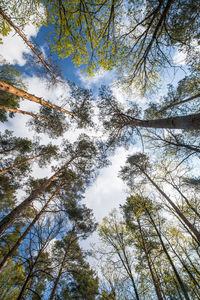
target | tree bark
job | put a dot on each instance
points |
(156, 284)
(179, 213)
(58, 277)
(16, 212)
(20, 240)
(180, 122)
(20, 93)
(20, 164)
(23, 289)
(184, 265)
(45, 64)
(180, 102)
(19, 111)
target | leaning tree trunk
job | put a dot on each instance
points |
(128, 270)
(156, 284)
(179, 213)
(22, 237)
(30, 274)
(58, 277)
(184, 265)
(24, 287)
(180, 122)
(169, 258)
(17, 211)
(20, 164)
(23, 94)
(45, 64)
(179, 102)
(22, 112)
(61, 267)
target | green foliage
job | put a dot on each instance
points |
(11, 280)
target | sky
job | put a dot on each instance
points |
(108, 191)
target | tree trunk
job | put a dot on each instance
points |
(156, 285)
(128, 270)
(177, 144)
(20, 240)
(21, 294)
(16, 212)
(184, 265)
(179, 213)
(186, 199)
(23, 289)
(22, 112)
(169, 258)
(58, 277)
(20, 164)
(27, 43)
(20, 93)
(180, 122)
(180, 102)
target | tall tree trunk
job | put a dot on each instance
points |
(22, 112)
(185, 198)
(179, 213)
(128, 269)
(22, 237)
(180, 122)
(58, 277)
(16, 212)
(24, 287)
(20, 164)
(184, 265)
(156, 284)
(179, 102)
(71, 240)
(168, 257)
(20, 93)
(45, 64)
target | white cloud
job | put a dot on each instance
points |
(14, 48)
(179, 57)
(100, 77)
(108, 191)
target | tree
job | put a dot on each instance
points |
(35, 257)
(10, 75)
(113, 234)
(138, 164)
(120, 121)
(96, 34)
(70, 258)
(44, 153)
(72, 190)
(83, 152)
(138, 208)
(10, 143)
(28, 43)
